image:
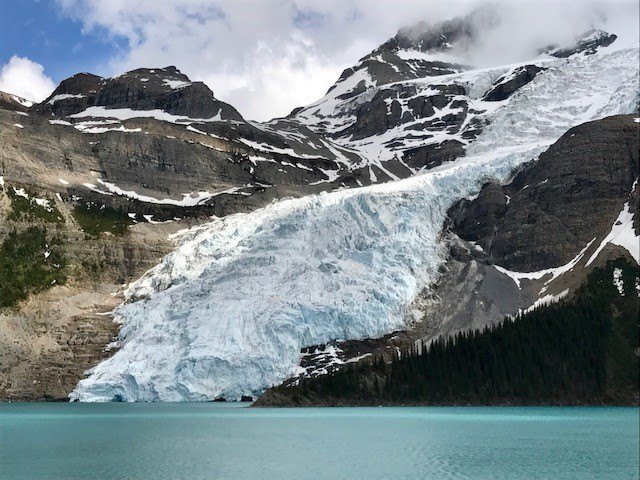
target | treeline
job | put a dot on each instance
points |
(581, 351)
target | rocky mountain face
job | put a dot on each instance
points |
(587, 44)
(111, 168)
(594, 167)
(13, 102)
(403, 126)
(535, 239)
(166, 89)
(536, 221)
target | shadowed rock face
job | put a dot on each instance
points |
(507, 85)
(572, 194)
(164, 89)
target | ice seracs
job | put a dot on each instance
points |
(226, 314)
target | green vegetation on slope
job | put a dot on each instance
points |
(96, 219)
(25, 207)
(579, 351)
(29, 263)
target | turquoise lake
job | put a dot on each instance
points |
(231, 441)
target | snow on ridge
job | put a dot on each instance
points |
(63, 96)
(22, 101)
(621, 234)
(554, 272)
(546, 300)
(188, 200)
(227, 312)
(128, 113)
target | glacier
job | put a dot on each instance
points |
(226, 313)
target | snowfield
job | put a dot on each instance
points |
(227, 313)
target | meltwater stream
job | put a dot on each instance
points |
(227, 313)
(213, 441)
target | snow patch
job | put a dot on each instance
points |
(60, 122)
(554, 272)
(128, 113)
(189, 199)
(547, 300)
(175, 84)
(617, 280)
(63, 96)
(623, 235)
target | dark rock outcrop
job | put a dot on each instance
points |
(559, 203)
(164, 89)
(588, 43)
(506, 85)
(11, 102)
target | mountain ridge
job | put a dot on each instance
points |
(132, 160)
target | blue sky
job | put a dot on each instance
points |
(38, 30)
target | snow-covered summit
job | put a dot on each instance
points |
(407, 106)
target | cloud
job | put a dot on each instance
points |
(25, 78)
(522, 27)
(263, 56)
(268, 56)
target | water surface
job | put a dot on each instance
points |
(230, 441)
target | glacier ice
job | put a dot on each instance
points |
(227, 312)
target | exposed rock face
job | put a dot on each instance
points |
(49, 340)
(164, 89)
(13, 102)
(508, 84)
(388, 63)
(405, 125)
(537, 221)
(558, 206)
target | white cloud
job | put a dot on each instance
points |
(25, 78)
(268, 56)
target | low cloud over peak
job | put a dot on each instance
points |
(268, 56)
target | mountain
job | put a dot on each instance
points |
(576, 352)
(101, 181)
(545, 208)
(252, 291)
(13, 102)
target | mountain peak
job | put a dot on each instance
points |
(166, 89)
(587, 43)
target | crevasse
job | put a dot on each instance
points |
(227, 312)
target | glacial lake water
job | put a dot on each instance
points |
(230, 441)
